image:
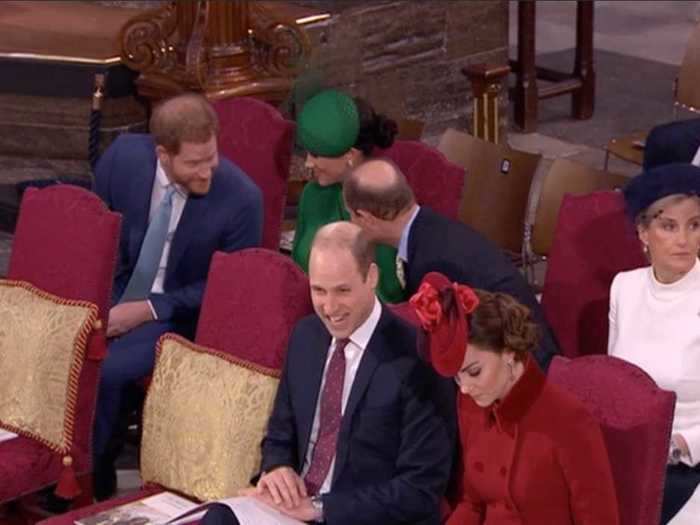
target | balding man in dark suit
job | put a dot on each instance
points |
(381, 202)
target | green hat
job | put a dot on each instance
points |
(329, 124)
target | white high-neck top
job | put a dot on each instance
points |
(657, 327)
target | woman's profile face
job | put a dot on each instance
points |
(485, 375)
(331, 170)
(672, 237)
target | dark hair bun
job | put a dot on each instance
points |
(500, 322)
(376, 130)
(385, 129)
(520, 333)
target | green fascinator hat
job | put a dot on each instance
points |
(329, 124)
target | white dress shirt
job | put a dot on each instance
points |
(354, 351)
(160, 186)
(696, 158)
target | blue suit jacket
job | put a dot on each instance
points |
(228, 218)
(394, 453)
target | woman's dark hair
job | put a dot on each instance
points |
(499, 323)
(376, 130)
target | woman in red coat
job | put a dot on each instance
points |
(532, 454)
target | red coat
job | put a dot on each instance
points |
(535, 458)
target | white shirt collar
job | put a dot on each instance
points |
(363, 333)
(668, 292)
(164, 181)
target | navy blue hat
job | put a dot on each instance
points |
(659, 182)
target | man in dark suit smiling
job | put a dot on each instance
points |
(354, 436)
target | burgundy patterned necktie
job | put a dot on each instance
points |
(329, 420)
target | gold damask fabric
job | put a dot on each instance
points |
(204, 419)
(42, 348)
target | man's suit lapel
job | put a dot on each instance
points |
(192, 218)
(368, 364)
(315, 365)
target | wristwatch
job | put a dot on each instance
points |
(317, 504)
(674, 454)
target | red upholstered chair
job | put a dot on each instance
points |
(252, 301)
(436, 181)
(593, 241)
(257, 138)
(65, 243)
(635, 416)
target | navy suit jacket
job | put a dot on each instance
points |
(228, 218)
(393, 455)
(437, 244)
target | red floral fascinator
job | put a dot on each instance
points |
(447, 331)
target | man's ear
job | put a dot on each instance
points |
(373, 275)
(364, 215)
(164, 156)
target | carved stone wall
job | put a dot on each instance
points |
(406, 56)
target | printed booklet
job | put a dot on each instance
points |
(167, 508)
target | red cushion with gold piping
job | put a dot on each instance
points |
(43, 343)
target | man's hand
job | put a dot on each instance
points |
(305, 511)
(284, 486)
(127, 316)
(682, 444)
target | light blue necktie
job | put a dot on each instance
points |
(147, 265)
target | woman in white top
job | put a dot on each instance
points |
(655, 317)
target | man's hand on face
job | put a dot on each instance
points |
(125, 317)
(283, 486)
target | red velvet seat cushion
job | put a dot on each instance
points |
(254, 322)
(593, 241)
(436, 182)
(25, 466)
(256, 137)
(635, 416)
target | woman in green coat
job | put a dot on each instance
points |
(339, 132)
